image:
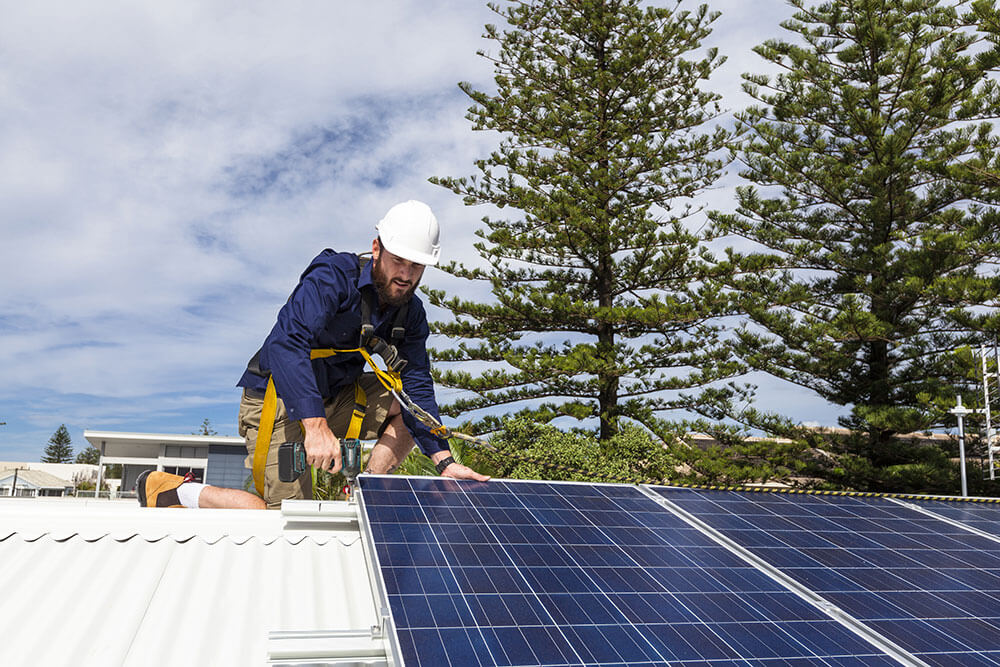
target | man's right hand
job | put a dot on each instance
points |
(322, 446)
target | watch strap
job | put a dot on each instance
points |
(444, 463)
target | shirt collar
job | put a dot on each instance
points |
(365, 279)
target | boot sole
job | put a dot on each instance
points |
(140, 487)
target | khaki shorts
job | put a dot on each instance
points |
(338, 416)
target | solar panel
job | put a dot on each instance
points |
(931, 587)
(983, 516)
(538, 573)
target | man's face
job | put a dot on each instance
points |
(395, 278)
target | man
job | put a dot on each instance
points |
(317, 397)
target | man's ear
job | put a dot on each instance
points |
(376, 248)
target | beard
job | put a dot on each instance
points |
(388, 293)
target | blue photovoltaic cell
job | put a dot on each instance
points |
(930, 587)
(984, 516)
(536, 573)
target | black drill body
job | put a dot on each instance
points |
(292, 460)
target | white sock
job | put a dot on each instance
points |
(188, 493)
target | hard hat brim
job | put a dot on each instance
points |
(412, 255)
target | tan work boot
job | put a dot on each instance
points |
(159, 489)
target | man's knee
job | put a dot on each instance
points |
(395, 410)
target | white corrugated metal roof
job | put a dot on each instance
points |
(110, 583)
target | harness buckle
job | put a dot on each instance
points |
(389, 354)
(398, 333)
(367, 333)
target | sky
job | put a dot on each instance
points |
(168, 169)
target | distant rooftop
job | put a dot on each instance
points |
(38, 478)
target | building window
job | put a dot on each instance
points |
(199, 473)
(185, 452)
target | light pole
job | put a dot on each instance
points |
(961, 412)
(13, 488)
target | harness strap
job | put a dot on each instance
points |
(360, 405)
(367, 305)
(391, 381)
(264, 431)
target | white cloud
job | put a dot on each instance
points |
(168, 169)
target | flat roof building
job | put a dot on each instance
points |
(214, 459)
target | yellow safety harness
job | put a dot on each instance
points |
(389, 379)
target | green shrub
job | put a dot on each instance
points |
(529, 450)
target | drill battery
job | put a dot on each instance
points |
(292, 459)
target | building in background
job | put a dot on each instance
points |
(21, 481)
(75, 472)
(213, 459)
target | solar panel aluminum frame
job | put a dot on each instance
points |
(830, 609)
(394, 653)
(953, 522)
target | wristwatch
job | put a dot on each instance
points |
(444, 463)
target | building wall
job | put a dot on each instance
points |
(226, 466)
(216, 460)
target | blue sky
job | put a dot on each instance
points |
(168, 169)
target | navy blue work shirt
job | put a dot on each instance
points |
(324, 311)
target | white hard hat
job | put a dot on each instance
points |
(411, 231)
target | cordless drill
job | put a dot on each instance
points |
(292, 460)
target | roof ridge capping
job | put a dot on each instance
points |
(91, 521)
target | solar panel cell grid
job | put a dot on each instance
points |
(563, 574)
(931, 587)
(983, 516)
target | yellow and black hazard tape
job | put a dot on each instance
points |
(737, 487)
(828, 492)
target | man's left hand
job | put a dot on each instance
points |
(457, 470)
